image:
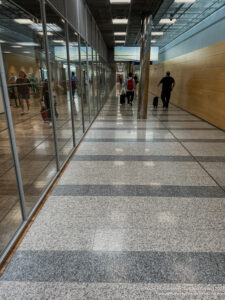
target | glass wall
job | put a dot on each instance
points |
(56, 31)
(84, 82)
(75, 73)
(91, 86)
(54, 83)
(26, 73)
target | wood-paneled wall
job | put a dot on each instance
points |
(200, 82)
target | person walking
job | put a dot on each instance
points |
(168, 83)
(23, 90)
(73, 84)
(130, 86)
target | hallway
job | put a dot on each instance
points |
(137, 214)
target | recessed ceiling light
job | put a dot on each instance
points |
(2, 41)
(153, 41)
(167, 21)
(58, 41)
(50, 27)
(27, 44)
(42, 33)
(16, 46)
(184, 1)
(23, 21)
(120, 21)
(27, 52)
(120, 33)
(119, 42)
(157, 33)
(119, 1)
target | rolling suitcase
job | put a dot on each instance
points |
(122, 99)
(155, 102)
(44, 113)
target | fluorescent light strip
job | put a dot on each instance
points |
(153, 41)
(120, 21)
(120, 1)
(16, 46)
(120, 33)
(58, 41)
(159, 33)
(42, 33)
(27, 44)
(27, 52)
(184, 1)
(167, 21)
(119, 42)
(24, 21)
(2, 41)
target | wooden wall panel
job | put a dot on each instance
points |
(200, 82)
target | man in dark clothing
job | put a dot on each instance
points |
(168, 83)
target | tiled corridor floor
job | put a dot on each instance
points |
(139, 213)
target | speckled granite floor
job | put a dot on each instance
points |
(138, 214)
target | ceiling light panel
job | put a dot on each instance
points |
(157, 33)
(120, 33)
(119, 42)
(120, 21)
(24, 21)
(184, 1)
(120, 1)
(167, 21)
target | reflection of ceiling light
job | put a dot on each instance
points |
(157, 33)
(62, 20)
(7, 52)
(73, 44)
(120, 33)
(167, 21)
(119, 1)
(42, 33)
(27, 44)
(153, 41)
(119, 42)
(16, 46)
(23, 21)
(1, 41)
(27, 52)
(50, 27)
(120, 21)
(185, 1)
(58, 41)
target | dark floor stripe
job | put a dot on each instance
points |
(131, 158)
(145, 121)
(211, 158)
(117, 267)
(139, 190)
(151, 128)
(124, 140)
(154, 140)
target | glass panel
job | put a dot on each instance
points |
(60, 87)
(10, 213)
(95, 83)
(84, 81)
(76, 83)
(91, 86)
(25, 67)
(98, 81)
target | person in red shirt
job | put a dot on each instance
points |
(130, 86)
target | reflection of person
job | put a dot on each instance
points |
(12, 89)
(168, 83)
(23, 90)
(120, 80)
(45, 98)
(73, 83)
(130, 86)
(136, 79)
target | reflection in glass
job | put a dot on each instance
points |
(91, 85)
(60, 82)
(25, 68)
(84, 81)
(75, 83)
(10, 213)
